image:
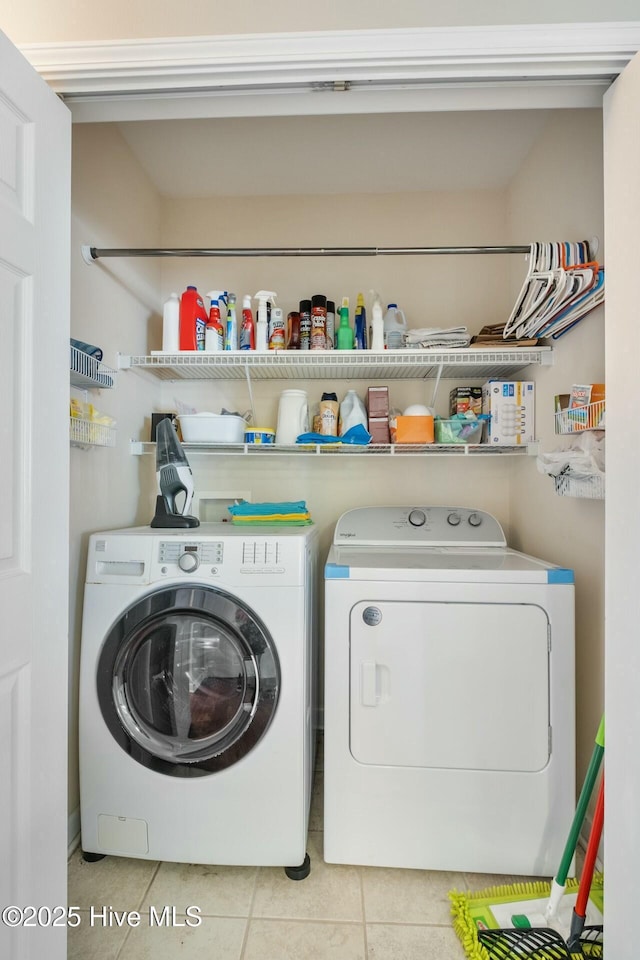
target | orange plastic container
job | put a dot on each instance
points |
(412, 430)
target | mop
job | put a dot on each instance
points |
(503, 908)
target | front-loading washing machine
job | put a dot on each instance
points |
(449, 696)
(198, 694)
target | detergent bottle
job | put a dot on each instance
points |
(262, 334)
(345, 332)
(376, 338)
(193, 320)
(171, 324)
(247, 331)
(214, 334)
(395, 327)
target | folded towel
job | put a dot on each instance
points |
(247, 509)
(88, 348)
(430, 337)
(261, 522)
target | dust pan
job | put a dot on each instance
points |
(480, 920)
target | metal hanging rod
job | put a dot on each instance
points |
(91, 254)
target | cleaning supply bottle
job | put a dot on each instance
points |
(376, 338)
(231, 326)
(330, 332)
(277, 333)
(262, 332)
(345, 332)
(305, 324)
(360, 319)
(214, 334)
(395, 327)
(352, 413)
(294, 331)
(171, 324)
(318, 339)
(247, 331)
(193, 320)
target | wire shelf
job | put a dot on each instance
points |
(337, 364)
(88, 433)
(87, 372)
(345, 449)
(578, 419)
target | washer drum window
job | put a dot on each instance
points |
(188, 680)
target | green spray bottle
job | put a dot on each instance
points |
(344, 338)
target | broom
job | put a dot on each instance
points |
(467, 925)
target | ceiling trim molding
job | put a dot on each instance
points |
(587, 52)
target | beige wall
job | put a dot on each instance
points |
(558, 194)
(113, 307)
(39, 20)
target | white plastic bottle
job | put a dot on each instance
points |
(171, 324)
(262, 327)
(395, 327)
(376, 339)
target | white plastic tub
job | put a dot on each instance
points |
(212, 428)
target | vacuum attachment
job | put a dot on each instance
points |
(174, 478)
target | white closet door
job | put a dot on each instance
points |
(622, 656)
(35, 163)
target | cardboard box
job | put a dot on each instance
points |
(463, 399)
(378, 402)
(510, 405)
(379, 429)
(411, 429)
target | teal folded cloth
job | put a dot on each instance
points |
(246, 509)
(357, 436)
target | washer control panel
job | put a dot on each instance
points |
(189, 556)
(418, 525)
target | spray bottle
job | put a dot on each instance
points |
(277, 332)
(360, 324)
(231, 328)
(345, 331)
(262, 331)
(214, 334)
(247, 331)
(377, 324)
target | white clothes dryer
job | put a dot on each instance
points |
(449, 696)
(198, 695)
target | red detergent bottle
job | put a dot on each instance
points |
(193, 320)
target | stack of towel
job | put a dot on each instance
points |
(440, 337)
(293, 514)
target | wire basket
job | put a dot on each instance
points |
(87, 371)
(587, 486)
(578, 419)
(88, 433)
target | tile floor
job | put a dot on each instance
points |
(256, 913)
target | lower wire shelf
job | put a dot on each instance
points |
(139, 447)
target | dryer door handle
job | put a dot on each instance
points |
(374, 683)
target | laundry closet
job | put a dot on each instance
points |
(340, 197)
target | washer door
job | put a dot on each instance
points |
(188, 680)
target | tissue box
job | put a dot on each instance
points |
(378, 402)
(510, 405)
(379, 429)
(411, 429)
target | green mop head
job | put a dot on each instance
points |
(491, 909)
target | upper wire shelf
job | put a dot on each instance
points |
(348, 364)
(86, 372)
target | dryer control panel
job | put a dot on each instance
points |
(419, 525)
